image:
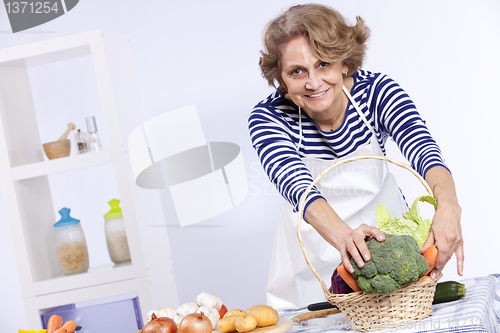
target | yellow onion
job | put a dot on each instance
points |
(160, 325)
(195, 323)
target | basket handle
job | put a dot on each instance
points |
(335, 164)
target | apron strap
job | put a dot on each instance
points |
(358, 110)
(300, 130)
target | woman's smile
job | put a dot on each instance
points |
(318, 95)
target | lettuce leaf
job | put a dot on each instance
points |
(410, 224)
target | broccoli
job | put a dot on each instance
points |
(395, 261)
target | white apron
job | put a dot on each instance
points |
(353, 190)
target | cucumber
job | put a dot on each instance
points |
(448, 291)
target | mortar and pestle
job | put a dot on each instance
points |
(61, 147)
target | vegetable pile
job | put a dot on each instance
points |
(206, 314)
(189, 317)
(395, 261)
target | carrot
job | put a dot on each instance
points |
(54, 323)
(431, 255)
(68, 327)
(347, 277)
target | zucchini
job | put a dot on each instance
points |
(448, 291)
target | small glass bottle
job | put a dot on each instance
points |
(81, 142)
(116, 235)
(93, 141)
(71, 245)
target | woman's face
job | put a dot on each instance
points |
(312, 84)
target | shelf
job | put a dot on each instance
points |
(86, 294)
(60, 165)
(94, 71)
(95, 276)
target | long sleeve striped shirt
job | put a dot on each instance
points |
(274, 132)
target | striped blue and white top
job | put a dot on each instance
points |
(274, 131)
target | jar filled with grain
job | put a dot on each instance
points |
(71, 245)
(116, 235)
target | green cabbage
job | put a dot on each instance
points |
(410, 224)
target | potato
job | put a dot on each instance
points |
(264, 314)
(226, 324)
(245, 323)
(234, 312)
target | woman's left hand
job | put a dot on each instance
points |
(446, 230)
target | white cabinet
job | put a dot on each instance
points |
(25, 172)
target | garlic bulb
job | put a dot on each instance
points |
(178, 319)
(211, 313)
(162, 312)
(210, 301)
(187, 308)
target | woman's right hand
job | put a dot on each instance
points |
(349, 242)
(353, 244)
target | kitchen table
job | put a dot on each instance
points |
(478, 311)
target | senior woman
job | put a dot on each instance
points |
(327, 108)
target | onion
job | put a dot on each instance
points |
(160, 325)
(195, 323)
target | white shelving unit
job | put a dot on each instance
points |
(24, 174)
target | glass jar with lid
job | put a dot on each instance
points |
(116, 235)
(71, 245)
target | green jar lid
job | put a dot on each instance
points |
(115, 211)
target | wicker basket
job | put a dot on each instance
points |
(373, 312)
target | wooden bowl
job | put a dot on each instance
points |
(57, 149)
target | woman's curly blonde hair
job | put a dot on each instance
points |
(331, 38)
